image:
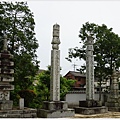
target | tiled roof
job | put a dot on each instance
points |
(77, 74)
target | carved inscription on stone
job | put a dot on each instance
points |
(55, 66)
(89, 70)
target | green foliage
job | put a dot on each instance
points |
(17, 22)
(65, 86)
(42, 87)
(106, 48)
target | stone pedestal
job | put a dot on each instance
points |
(90, 110)
(55, 109)
(90, 107)
(17, 113)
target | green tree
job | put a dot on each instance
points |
(17, 22)
(106, 49)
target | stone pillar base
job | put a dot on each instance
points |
(55, 109)
(17, 113)
(113, 106)
(42, 113)
(90, 107)
(90, 103)
(90, 110)
(6, 104)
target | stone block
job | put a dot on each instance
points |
(112, 104)
(55, 105)
(42, 113)
(114, 109)
(90, 103)
(6, 105)
(7, 79)
(21, 103)
(6, 87)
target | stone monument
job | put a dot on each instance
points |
(55, 108)
(113, 101)
(6, 76)
(90, 106)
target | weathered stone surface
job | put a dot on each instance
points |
(26, 113)
(6, 79)
(55, 108)
(55, 66)
(6, 105)
(42, 113)
(90, 103)
(113, 102)
(21, 103)
(55, 76)
(6, 76)
(6, 87)
(89, 69)
(90, 111)
(55, 105)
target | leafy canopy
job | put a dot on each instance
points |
(106, 48)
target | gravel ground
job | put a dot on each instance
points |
(105, 115)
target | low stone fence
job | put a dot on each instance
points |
(73, 97)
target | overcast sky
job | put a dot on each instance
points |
(70, 15)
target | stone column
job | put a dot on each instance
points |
(89, 69)
(55, 66)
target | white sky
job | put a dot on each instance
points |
(70, 15)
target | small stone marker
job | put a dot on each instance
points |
(21, 103)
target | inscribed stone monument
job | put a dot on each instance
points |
(55, 108)
(90, 106)
(6, 76)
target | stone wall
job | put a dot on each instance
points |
(73, 97)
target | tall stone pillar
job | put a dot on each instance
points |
(55, 66)
(55, 108)
(89, 69)
(90, 105)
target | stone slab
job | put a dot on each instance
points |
(114, 109)
(42, 113)
(6, 55)
(90, 103)
(55, 105)
(6, 79)
(26, 113)
(6, 87)
(90, 111)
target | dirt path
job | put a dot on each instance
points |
(105, 115)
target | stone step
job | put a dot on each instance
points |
(26, 113)
(10, 116)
